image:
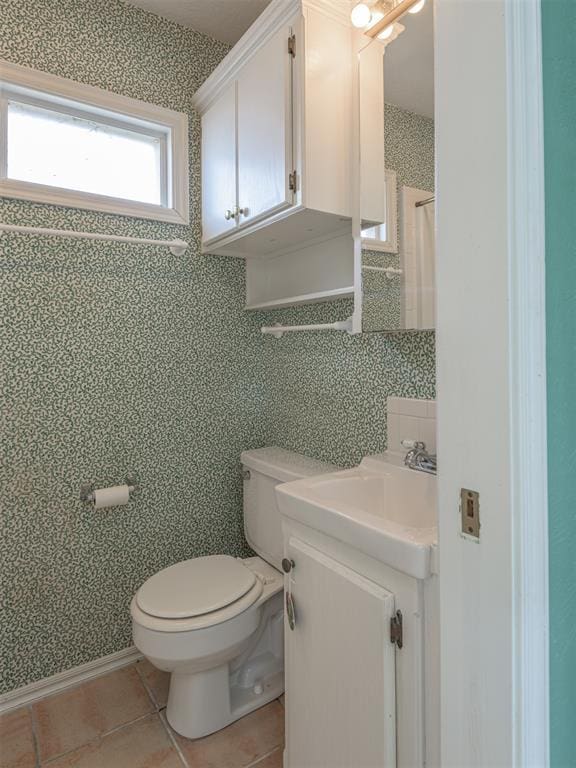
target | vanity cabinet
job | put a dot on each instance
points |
(341, 666)
(354, 697)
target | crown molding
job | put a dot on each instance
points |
(276, 15)
(271, 20)
(338, 10)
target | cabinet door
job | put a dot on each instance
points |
(340, 667)
(219, 166)
(265, 130)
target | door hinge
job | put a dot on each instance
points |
(292, 181)
(292, 46)
(396, 634)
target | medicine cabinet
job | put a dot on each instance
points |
(397, 276)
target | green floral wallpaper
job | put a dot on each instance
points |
(326, 392)
(119, 358)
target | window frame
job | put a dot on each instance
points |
(390, 244)
(22, 85)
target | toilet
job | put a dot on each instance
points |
(216, 623)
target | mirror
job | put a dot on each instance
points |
(396, 271)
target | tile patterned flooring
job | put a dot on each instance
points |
(118, 721)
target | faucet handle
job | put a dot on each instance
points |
(413, 445)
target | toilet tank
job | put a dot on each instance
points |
(264, 469)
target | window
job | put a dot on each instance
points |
(70, 144)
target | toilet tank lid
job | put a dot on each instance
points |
(284, 465)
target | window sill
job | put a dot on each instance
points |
(39, 193)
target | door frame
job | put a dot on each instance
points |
(491, 369)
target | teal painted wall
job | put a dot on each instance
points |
(559, 53)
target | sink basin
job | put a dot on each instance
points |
(381, 508)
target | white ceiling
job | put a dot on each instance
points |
(225, 20)
(409, 68)
(409, 64)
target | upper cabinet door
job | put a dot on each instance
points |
(265, 130)
(340, 667)
(219, 197)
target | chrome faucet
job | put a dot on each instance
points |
(418, 457)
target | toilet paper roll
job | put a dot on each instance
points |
(111, 497)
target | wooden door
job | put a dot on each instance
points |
(340, 667)
(265, 130)
(219, 196)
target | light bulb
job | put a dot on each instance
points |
(417, 7)
(361, 15)
(386, 32)
(375, 17)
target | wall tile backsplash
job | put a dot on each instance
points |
(122, 358)
(411, 419)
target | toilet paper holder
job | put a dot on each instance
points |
(87, 489)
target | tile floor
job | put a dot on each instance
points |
(118, 721)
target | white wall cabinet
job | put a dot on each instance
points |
(265, 131)
(277, 152)
(219, 177)
(293, 139)
(247, 144)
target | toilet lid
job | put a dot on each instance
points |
(195, 587)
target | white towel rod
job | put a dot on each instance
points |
(177, 247)
(388, 271)
(279, 330)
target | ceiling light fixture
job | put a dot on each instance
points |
(361, 15)
(418, 7)
(401, 7)
(386, 32)
(375, 17)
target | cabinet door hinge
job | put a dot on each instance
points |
(292, 181)
(396, 634)
(292, 46)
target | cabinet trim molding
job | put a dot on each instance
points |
(276, 15)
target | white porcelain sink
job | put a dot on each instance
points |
(380, 508)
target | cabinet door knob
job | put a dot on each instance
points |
(287, 565)
(237, 212)
(228, 215)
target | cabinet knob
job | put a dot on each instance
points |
(287, 565)
(228, 215)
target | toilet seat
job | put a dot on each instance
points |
(196, 593)
(195, 587)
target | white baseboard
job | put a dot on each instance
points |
(67, 679)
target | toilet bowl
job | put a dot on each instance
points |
(216, 623)
(207, 690)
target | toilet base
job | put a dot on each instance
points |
(201, 703)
